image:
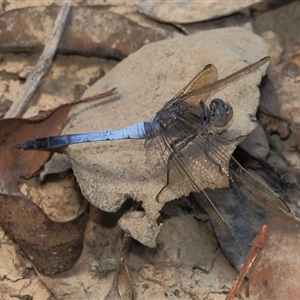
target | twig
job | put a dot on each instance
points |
(42, 66)
(253, 253)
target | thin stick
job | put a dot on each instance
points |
(248, 262)
(42, 66)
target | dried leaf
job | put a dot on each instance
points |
(52, 246)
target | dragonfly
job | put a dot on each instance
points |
(182, 131)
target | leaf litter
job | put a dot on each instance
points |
(53, 246)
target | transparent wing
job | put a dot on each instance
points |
(207, 76)
(189, 159)
(190, 94)
(186, 162)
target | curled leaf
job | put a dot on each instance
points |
(52, 246)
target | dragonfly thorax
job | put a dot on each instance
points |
(168, 114)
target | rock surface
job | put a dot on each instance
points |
(110, 172)
(193, 11)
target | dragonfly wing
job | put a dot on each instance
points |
(221, 82)
(187, 167)
(207, 161)
(195, 160)
(207, 76)
(256, 190)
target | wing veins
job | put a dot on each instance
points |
(221, 82)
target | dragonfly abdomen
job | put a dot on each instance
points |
(137, 131)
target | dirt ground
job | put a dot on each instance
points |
(87, 223)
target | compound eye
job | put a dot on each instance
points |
(222, 112)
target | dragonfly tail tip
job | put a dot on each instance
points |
(25, 146)
(18, 146)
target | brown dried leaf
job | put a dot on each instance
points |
(16, 163)
(53, 247)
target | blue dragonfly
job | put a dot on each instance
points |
(181, 132)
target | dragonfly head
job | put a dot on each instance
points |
(221, 112)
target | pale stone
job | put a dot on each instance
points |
(110, 172)
(191, 11)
